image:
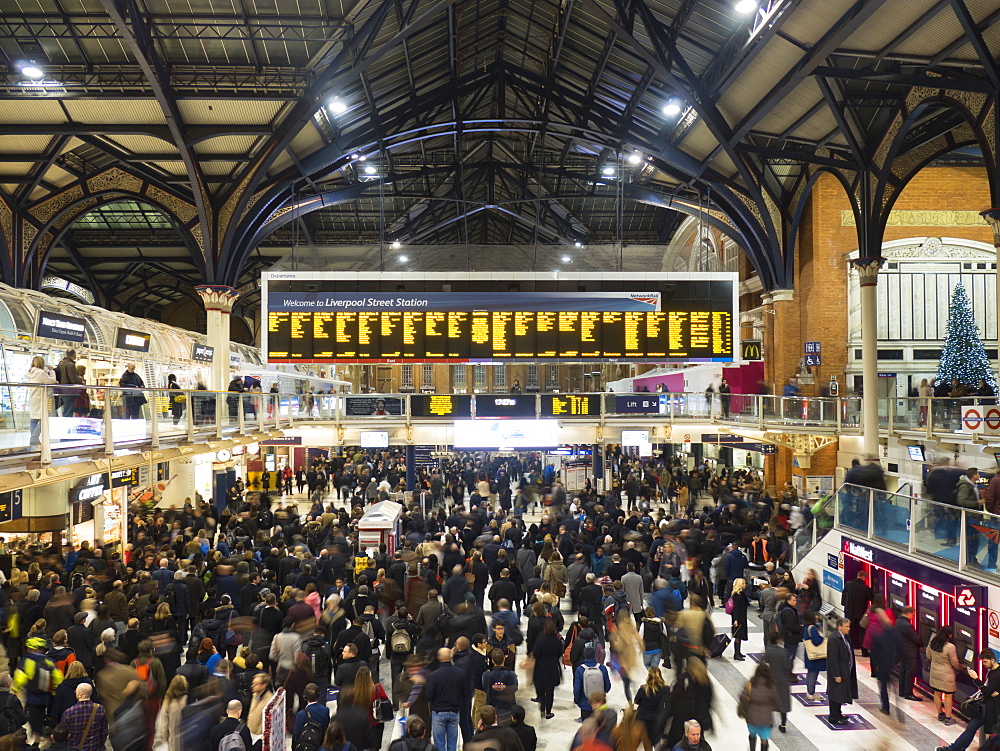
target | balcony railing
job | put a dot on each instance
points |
(955, 537)
(66, 420)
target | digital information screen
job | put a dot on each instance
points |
(570, 405)
(375, 406)
(693, 320)
(135, 341)
(57, 326)
(505, 405)
(440, 405)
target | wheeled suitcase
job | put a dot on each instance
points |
(719, 644)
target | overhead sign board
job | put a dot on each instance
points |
(202, 353)
(134, 341)
(57, 326)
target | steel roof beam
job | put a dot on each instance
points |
(137, 39)
(858, 14)
(978, 43)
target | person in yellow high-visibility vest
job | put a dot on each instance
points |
(38, 677)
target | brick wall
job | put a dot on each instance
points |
(819, 309)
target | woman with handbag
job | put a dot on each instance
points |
(373, 696)
(737, 607)
(944, 665)
(815, 656)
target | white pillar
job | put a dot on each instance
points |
(868, 269)
(218, 300)
(181, 484)
(992, 217)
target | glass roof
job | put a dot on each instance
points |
(123, 215)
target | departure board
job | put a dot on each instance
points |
(570, 405)
(675, 334)
(440, 405)
(350, 317)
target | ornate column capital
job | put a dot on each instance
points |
(992, 217)
(868, 269)
(217, 296)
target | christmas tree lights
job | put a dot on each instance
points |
(964, 356)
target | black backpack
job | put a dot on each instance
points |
(310, 737)
(12, 715)
(319, 661)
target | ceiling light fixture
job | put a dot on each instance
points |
(29, 70)
(403, 259)
(746, 6)
(672, 108)
(370, 170)
(337, 107)
(608, 171)
(635, 158)
(578, 244)
(566, 259)
(396, 245)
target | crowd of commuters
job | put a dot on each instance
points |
(181, 643)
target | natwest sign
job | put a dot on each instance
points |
(859, 551)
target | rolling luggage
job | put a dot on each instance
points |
(719, 645)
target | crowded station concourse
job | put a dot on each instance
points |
(499, 374)
(508, 614)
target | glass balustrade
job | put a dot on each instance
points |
(81, 417)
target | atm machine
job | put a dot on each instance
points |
(928, 620)
(897, 592)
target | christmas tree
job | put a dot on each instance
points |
(963, 356)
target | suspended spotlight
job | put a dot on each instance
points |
(403, 259)
(746, 6)
(672, 108)
(396, 245)
(635, 158)
(608, 171)
(370, 170)
(337, 107)
(566, 259)
(32, 71)
(578, 244)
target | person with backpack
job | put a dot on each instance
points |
(231, 734)
(150, 671)
(37, 676)
(12, 715)
(402, 633)
(589, 678)
(500, 685)
(317, 652)
(311, 721)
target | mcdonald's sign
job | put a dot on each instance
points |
(750, 349)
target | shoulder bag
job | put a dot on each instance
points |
(815, 651)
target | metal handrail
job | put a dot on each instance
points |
(915, 523)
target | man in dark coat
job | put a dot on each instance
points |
(911, 646)
(991, 703)
(841, 672)
(856, 598)
(790, 627)
(886, 649)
